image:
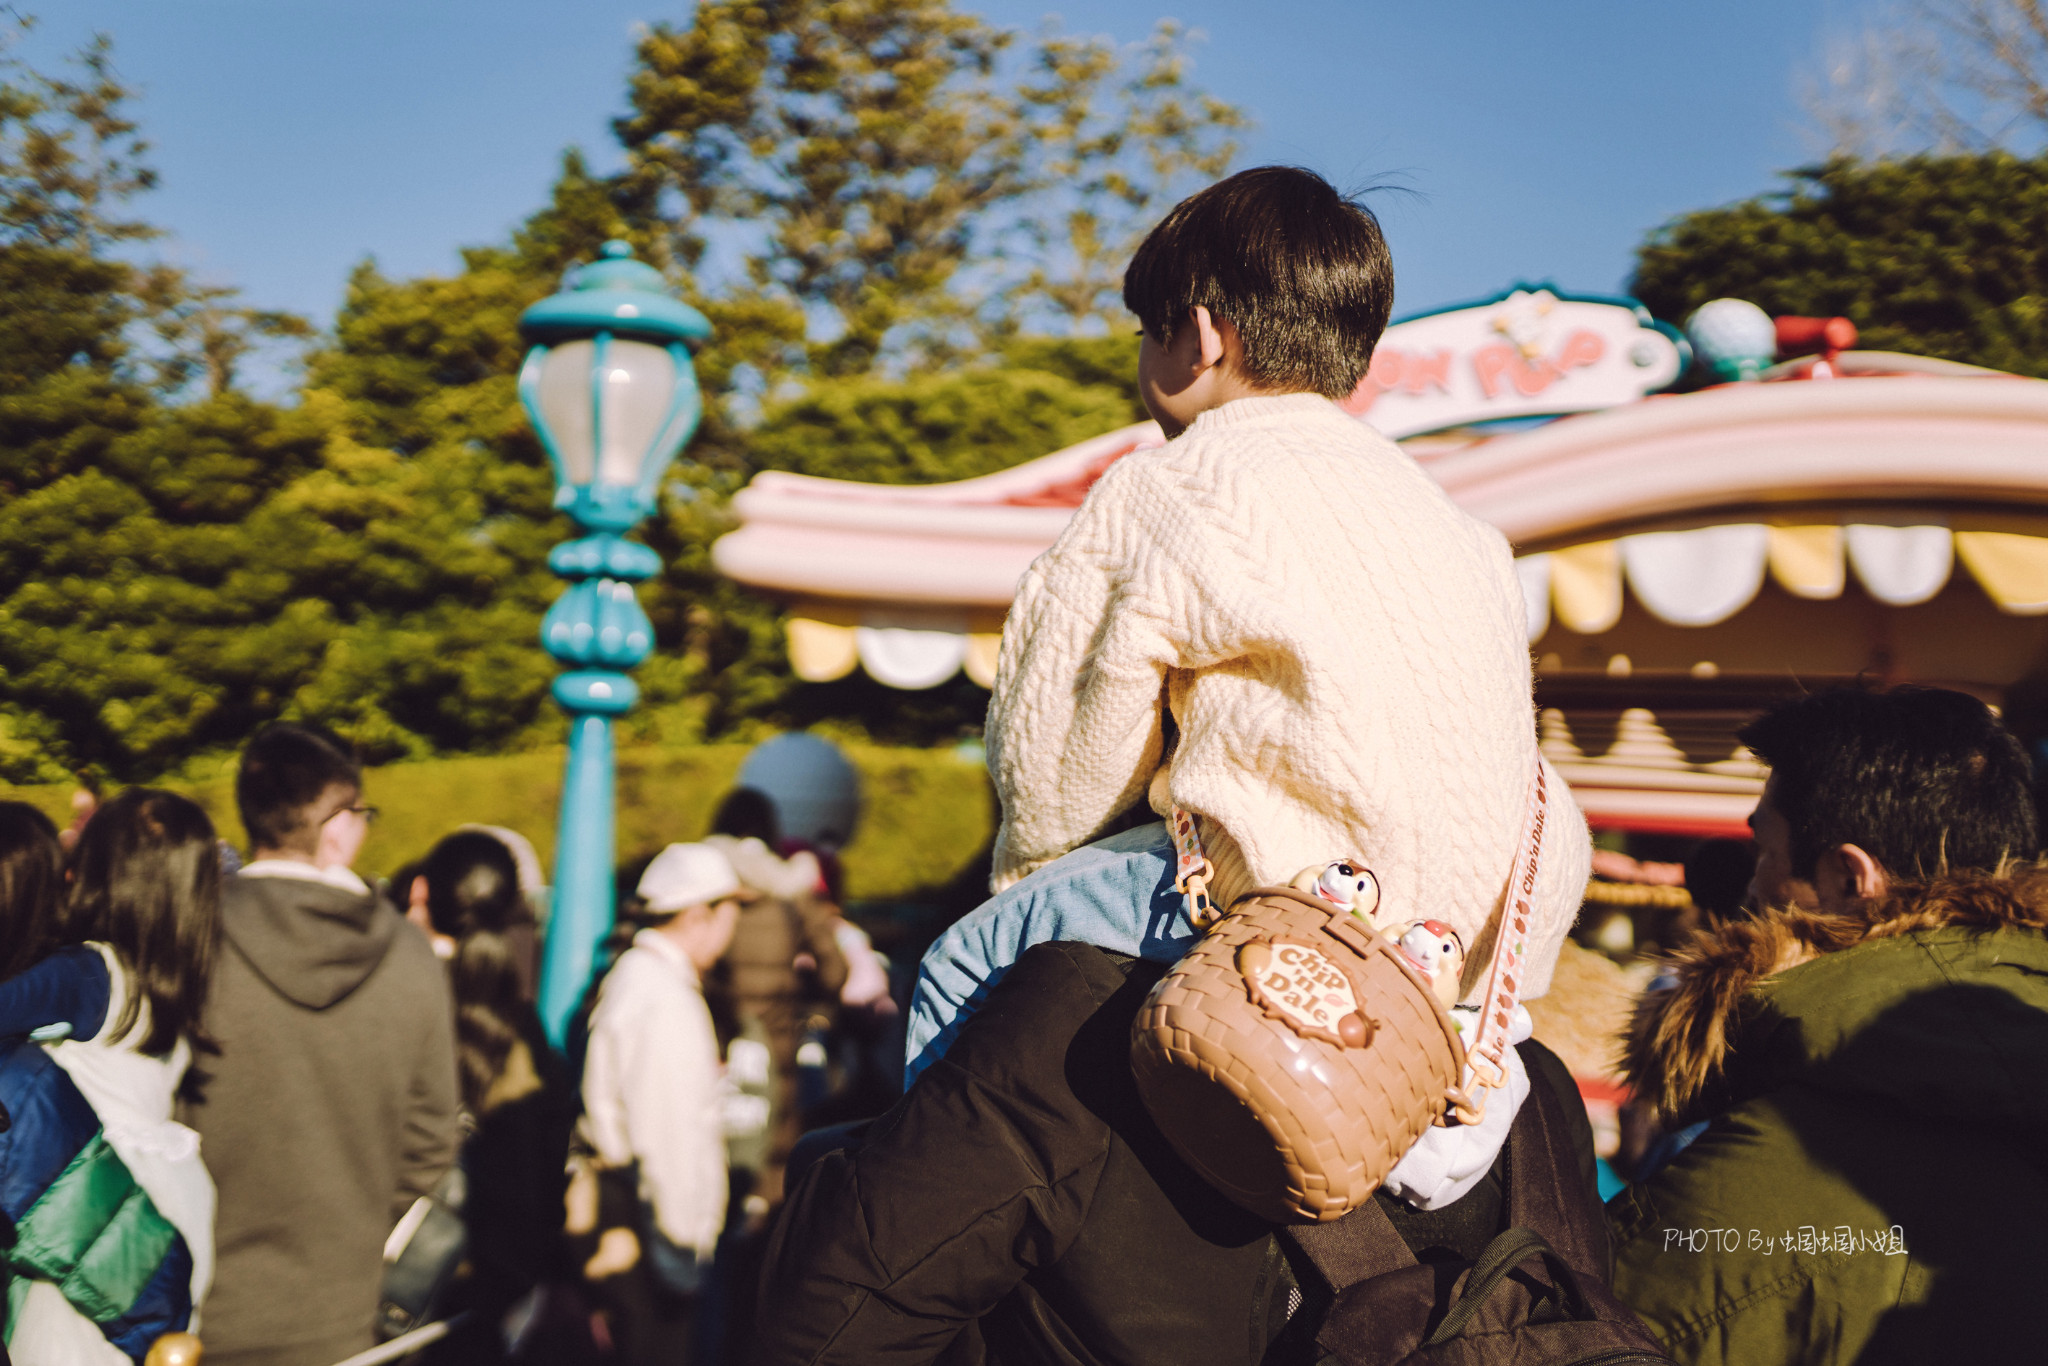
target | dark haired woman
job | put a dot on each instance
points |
(518, 1105)
(56, 992)
(145, 897)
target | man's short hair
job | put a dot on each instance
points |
(285, 770)
(1924, 780)
(1301, 271)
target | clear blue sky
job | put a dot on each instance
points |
(296, 137)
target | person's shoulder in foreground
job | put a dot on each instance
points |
(987, 1172)
(1866, 1055)
(1021, 1195)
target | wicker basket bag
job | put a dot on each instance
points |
(1287, 1101)
(1295, 1054)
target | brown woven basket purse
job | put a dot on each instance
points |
(1295, 1054)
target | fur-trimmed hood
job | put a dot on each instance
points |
(1935, 998)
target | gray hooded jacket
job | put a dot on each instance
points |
(330, 1107)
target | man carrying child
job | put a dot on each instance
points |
(1281, 626)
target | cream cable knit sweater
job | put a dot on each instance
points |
(1344, 654)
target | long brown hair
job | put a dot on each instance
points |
(31, 886)
(145, 879)
(473, 897)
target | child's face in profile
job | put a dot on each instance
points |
(1201, 368)
(1168, 377)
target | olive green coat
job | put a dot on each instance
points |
(1873, 1186)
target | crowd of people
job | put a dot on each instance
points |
(245, 1094)
(1270, 664)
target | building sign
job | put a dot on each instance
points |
(1533, 352)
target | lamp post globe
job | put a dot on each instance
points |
(611, 390)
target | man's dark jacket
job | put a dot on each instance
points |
(1020, 1192)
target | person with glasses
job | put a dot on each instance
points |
(331, 1106)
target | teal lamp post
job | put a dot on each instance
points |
(611, 392)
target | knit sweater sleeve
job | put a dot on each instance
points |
(1074, 728)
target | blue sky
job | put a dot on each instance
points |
(296, 137)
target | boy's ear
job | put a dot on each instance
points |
(1211, 333)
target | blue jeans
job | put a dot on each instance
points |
(1116, 894)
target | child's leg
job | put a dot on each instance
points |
(1116, 894)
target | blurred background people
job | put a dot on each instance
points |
(654, 1102)
(523, 936)
(518, 1105)
(331, 1106)
(117, 1174)
(785, 969)
(85, 799)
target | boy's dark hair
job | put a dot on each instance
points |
(285, 770)
(1924, 780)
(1300, 270)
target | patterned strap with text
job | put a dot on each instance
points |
(1192, 871)
(1510, 946)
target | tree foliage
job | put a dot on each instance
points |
(935, 428)
(1939, 255)
(1944, 76)
(891, 180)
(864, 195)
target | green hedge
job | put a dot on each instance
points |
(928, 815)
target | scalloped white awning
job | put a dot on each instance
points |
(922, 656)
(1705, 576)
(1690, 502)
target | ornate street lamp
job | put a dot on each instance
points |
(611, 391)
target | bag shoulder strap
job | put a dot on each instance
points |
(1505, 973)
(1357, 1247)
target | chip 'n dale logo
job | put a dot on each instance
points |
(1298, 984)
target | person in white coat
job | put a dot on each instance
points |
(653, 1092)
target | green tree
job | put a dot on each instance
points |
(859, 142)
(899, 180)
(825, 127)
(933, 428)
(137, 621)
(180, 562)
(1120, 141)
(1939, 255)
(75, 534)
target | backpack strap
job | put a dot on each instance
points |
(1502, 1256)
(1546, 1191)
(1357, 1247)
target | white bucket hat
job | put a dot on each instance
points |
(686, 875)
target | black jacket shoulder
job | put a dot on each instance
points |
(1020, 1202)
